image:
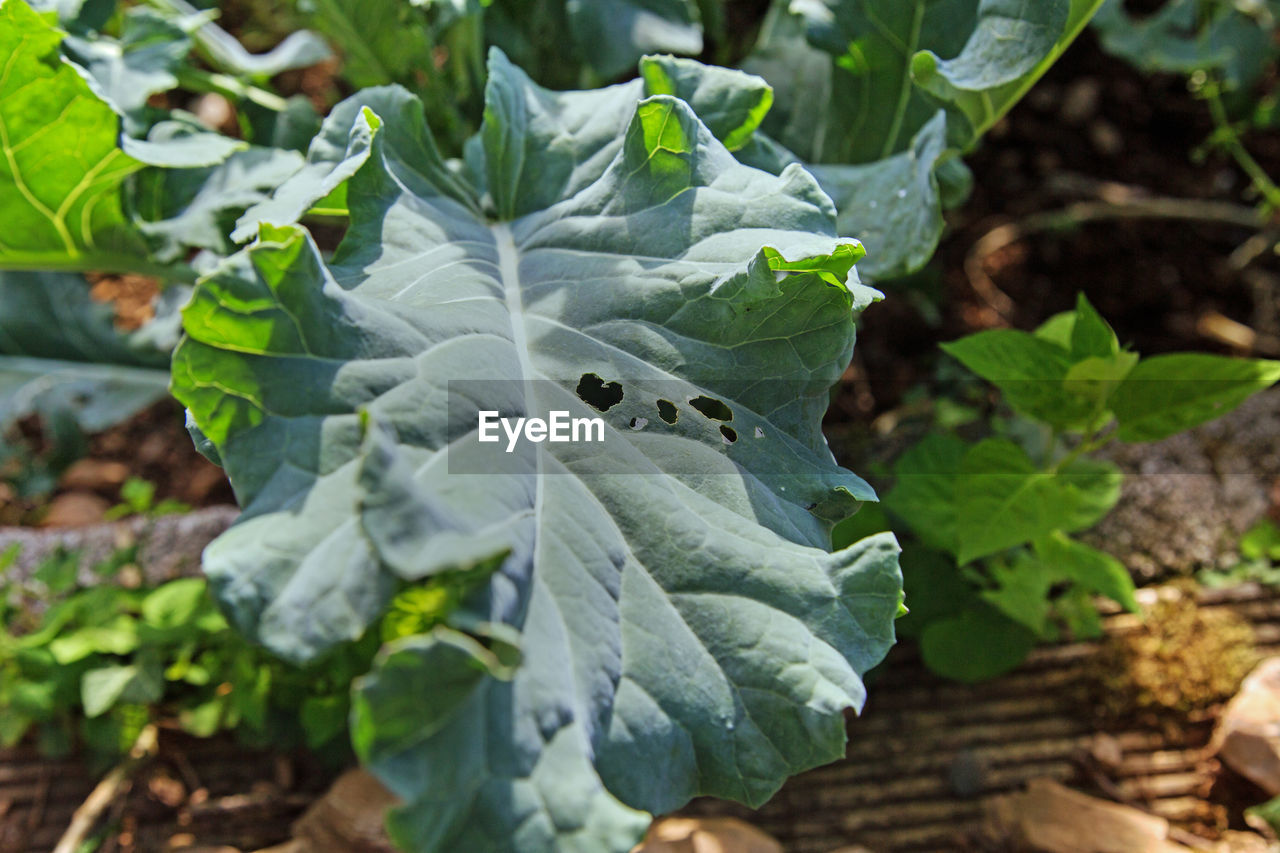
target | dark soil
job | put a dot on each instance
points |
(1091, 120)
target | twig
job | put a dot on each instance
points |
(111, 786)
(1081, 212)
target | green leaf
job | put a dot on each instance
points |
(861, 83)
(1096, 378)
(1262, 541)
(97, 396)
(1021, 591)
(935, 588)
(975, 645)
(102, 688)
(61, 171)
(893, 206)
(924, 490)
(1094, 570)
(1030, 371)
(1005, 500)
(184, 209)
(730, 103)
(895, 61)
(1058, 329)
(1011, 44)
(58, 571)
(1184, 36)
(118, 636)
(174, 604)
(1166, 394)
(612, 35)
(77, 15)
(323, 718)
(325, 389)
(298, 50)
(61, 355)
(142, 63)
(382, 41)
(1091, 336)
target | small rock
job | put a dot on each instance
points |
(348, 818)
(1080, 103)
(94, 475)
(967, 774)
(215, 112)
(1106, 750)
(1233, 841)
(1050, 818)
(1106, 139)
(706, 835)
(1248, 735)
(75, 509)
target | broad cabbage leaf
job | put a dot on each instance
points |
(880, 97)
(61, 355)
(62, 173)
(1235, 39)
(650, 619)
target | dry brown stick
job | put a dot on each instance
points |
(104, 794)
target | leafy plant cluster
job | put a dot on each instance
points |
(1259, 559)
(993, 569)
(570, 641)
(94, 663)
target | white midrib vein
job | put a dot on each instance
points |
(509, 272)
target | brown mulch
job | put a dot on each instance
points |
(195, 792)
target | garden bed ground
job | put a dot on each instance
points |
(926, 752)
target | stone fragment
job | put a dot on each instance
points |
(347, 819)
(706, 835)
(1051, 818)
(75, 509)
(1247, 738)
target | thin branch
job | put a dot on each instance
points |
(1082, 212)
(112, 786)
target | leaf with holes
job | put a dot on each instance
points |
(652, 615)
(61, 176)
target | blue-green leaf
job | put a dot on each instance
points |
(637, 250)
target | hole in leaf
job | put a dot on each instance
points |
(759, 433)
(729, 433)
(667, 411)
(639, 423)
(597, 393)
(712, 408)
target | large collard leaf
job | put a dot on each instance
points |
(612, 35)
(223, 51)
(867, 83)
(1234, 39)
(61, 355)
(62, 172)
(895, 62)
(681, 625)
(893, 206)
(607, 36)
(77, 15)
(142, 63)
(183, 209)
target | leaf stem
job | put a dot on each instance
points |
(1228, 136)
(229, 87)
